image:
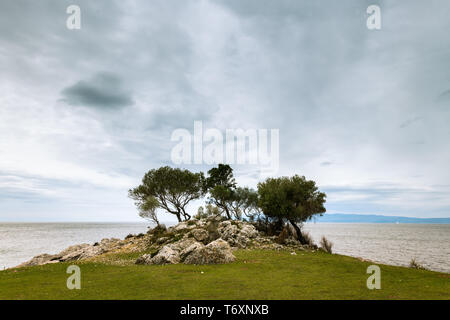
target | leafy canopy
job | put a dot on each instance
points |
(293, 198)
(173, 189)
(221, 185)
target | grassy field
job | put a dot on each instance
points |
(257, 274)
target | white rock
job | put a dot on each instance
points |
(165, 256)
(218, 251)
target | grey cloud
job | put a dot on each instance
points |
(444, 96)
(408, 122)
(103, 91)
(337, 91)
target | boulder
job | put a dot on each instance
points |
(218, 251)
(192, 248)
(249, 231)
(165, 256)
(182, 244)
(200, 235)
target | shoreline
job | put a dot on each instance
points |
(358, 255)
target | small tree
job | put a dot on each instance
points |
(245, 203)
(208, 211)
(293, 199)
(221, 185)
(172, 188)
(147, 209)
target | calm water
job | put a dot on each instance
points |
(393, 244)
(21, 241)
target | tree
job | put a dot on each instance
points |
(172, 188)
(221, 185)
(293, 199)
(147, 209)
(245, 203)
(208, 211)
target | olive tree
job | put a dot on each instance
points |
(221, 185)
(245, 203)
(293, 199)
(147, 209)
(170, 189)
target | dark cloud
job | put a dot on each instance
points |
(104, 91)
(444, 96)
(408, 122)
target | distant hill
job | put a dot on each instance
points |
(371, 218)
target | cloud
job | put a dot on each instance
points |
(86, 112)
(408, 122)
(103, 91)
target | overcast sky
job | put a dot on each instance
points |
(85, 113)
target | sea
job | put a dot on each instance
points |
(394, 244)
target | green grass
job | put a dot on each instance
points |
(257, 274)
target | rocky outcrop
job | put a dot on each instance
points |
(204, 241)
(237, 233)
(83, 251)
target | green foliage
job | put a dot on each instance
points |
(171, 188)
(294, 199)
(147, 209)
(210, 210)
(291, 198)
(245, 203)
(221, 185)
(221, 176)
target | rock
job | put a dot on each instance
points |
(218, 251)
(39, 260)
(74, 248)
(181, 244)
(249, 231)
(165, 256)
(237, 234)
(162, 240)
(82, 253)
(200, 235)
(193, 247)
(228, 232)
(144, 259)
(185, 225)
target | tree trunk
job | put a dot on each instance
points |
(227, 212)
(298, 231)
(186, 215)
